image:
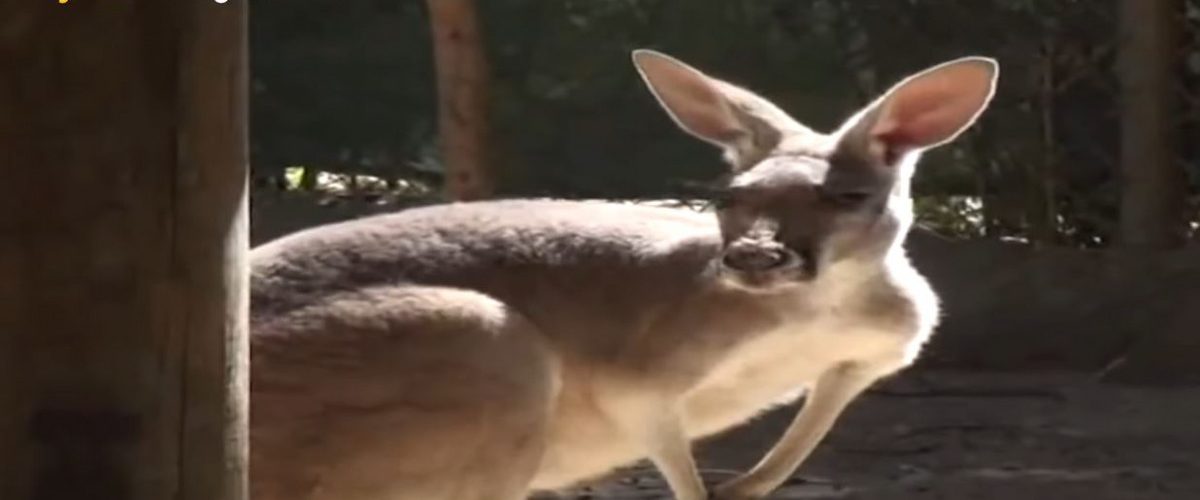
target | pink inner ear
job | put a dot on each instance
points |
(928, 111)
(701, 108)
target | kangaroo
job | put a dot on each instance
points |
(487, 350)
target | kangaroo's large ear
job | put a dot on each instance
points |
(744, 125)
(925, 110)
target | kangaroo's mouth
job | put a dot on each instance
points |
(763, 264)
(757, 258)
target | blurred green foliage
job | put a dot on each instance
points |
(347, 86)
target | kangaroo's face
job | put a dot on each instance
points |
(799, 201)
(793, 213)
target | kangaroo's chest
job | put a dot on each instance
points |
(781, 365)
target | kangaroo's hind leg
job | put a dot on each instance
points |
(409, 393)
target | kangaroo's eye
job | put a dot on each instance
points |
(845, 198)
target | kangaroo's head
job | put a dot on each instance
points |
(798, 201)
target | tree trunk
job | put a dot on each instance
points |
(1042, 213)
(1154, 187)
(462, 86)
(123, 359)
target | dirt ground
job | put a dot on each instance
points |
(950, 435)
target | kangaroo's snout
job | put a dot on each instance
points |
(751, 258)
(760, 253)
(756, 256)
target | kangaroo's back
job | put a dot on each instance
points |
(575, 267)
(466, 243)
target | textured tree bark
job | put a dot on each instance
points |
(123, 311)
(462, 86)
(1154, 187)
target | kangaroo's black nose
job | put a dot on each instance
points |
(757, 257)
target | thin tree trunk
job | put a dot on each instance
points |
(462, 86)
(308, 178)
(123, 281)
(1041, 213)
(1153, 187)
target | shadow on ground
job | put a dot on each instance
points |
(951, 435)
